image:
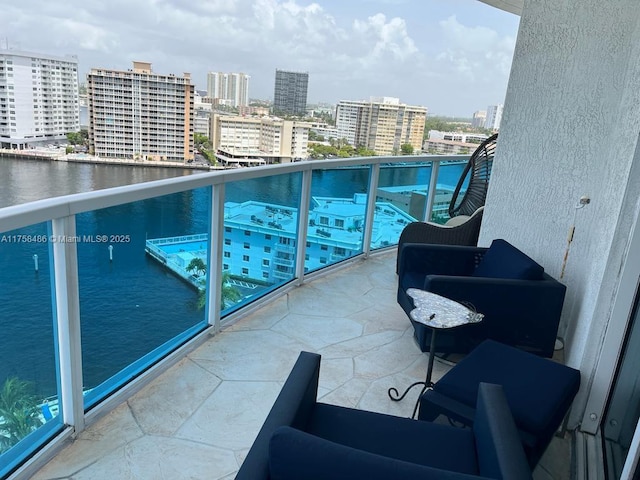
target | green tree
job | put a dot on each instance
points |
(406, 149)
(197, 266)
(230, 294)
(201, 141)
(19, 412)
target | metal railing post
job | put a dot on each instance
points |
(374, 178)
(303, 225)
(214, 272)
(67, 307)
(431, 194)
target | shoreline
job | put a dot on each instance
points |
(55, 155)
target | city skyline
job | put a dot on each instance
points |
(452, 57)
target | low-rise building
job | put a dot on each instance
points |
(239, 140)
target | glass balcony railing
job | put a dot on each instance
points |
(95, 288)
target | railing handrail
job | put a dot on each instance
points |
(38, 211)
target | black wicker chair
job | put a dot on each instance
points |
(465, 211)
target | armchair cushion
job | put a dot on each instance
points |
(371, 431)
(296, 455)
(503, 260)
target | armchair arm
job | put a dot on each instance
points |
(431, 259)
(293, 407)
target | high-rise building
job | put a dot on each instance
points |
(494, 116)
(479, 118)
(290, 93)
(231, 89)
(38, 98)
(254, 140)
(382, 124)
(140, 114)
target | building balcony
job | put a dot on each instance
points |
(200, 416)
(132, 368)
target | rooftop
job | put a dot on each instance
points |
(199, 418)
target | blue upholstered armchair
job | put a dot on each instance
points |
(520, 302)
(305, 439)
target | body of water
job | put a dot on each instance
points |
(129, 305)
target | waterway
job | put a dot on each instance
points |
(129, 305)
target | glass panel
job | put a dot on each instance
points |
(623, 410)
(140, 271)
(260, 237)
(336, 215)
(28, 375)
(401, 198)
(448, 176)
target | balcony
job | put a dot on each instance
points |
(199, 417)
(108, 318)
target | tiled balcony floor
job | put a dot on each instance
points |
(199, 418)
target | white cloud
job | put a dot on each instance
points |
(351, 52)
(475, 51)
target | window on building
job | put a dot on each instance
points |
(267, 237)
(267, 249)
(227, 229)
(245, 271)
(227, 254)
(324, 220)
(265, 262)
(339, 223)
(247, 233)
(245, 258)
(324, 247)
(247, 245)
(323, 260)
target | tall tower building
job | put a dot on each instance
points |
(38, 98)
(290, 93)
(230, 89)
(494, 116)
(381, 124)
(140, 114)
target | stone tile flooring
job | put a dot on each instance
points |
(199, 418)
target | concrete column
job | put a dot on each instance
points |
(570, 129)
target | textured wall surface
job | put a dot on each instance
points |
(570, 128)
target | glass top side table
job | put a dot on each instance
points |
(435, 312)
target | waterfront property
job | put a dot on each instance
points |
(552, 152)
(39, 101)
(267, 233)
(140, 114)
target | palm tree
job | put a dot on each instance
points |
(19, 414)
(230, 294)
(197, 265)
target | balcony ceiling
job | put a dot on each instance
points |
(511, 6)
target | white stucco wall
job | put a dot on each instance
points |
(570, 128)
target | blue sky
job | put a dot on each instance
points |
(452, 56)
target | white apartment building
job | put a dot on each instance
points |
(252, 140)
(494, 117)
(38, 98)
(382, 124)
(230, 89)
(140, 114)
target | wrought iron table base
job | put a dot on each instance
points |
(426, 384)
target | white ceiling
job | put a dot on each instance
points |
(512, 6)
